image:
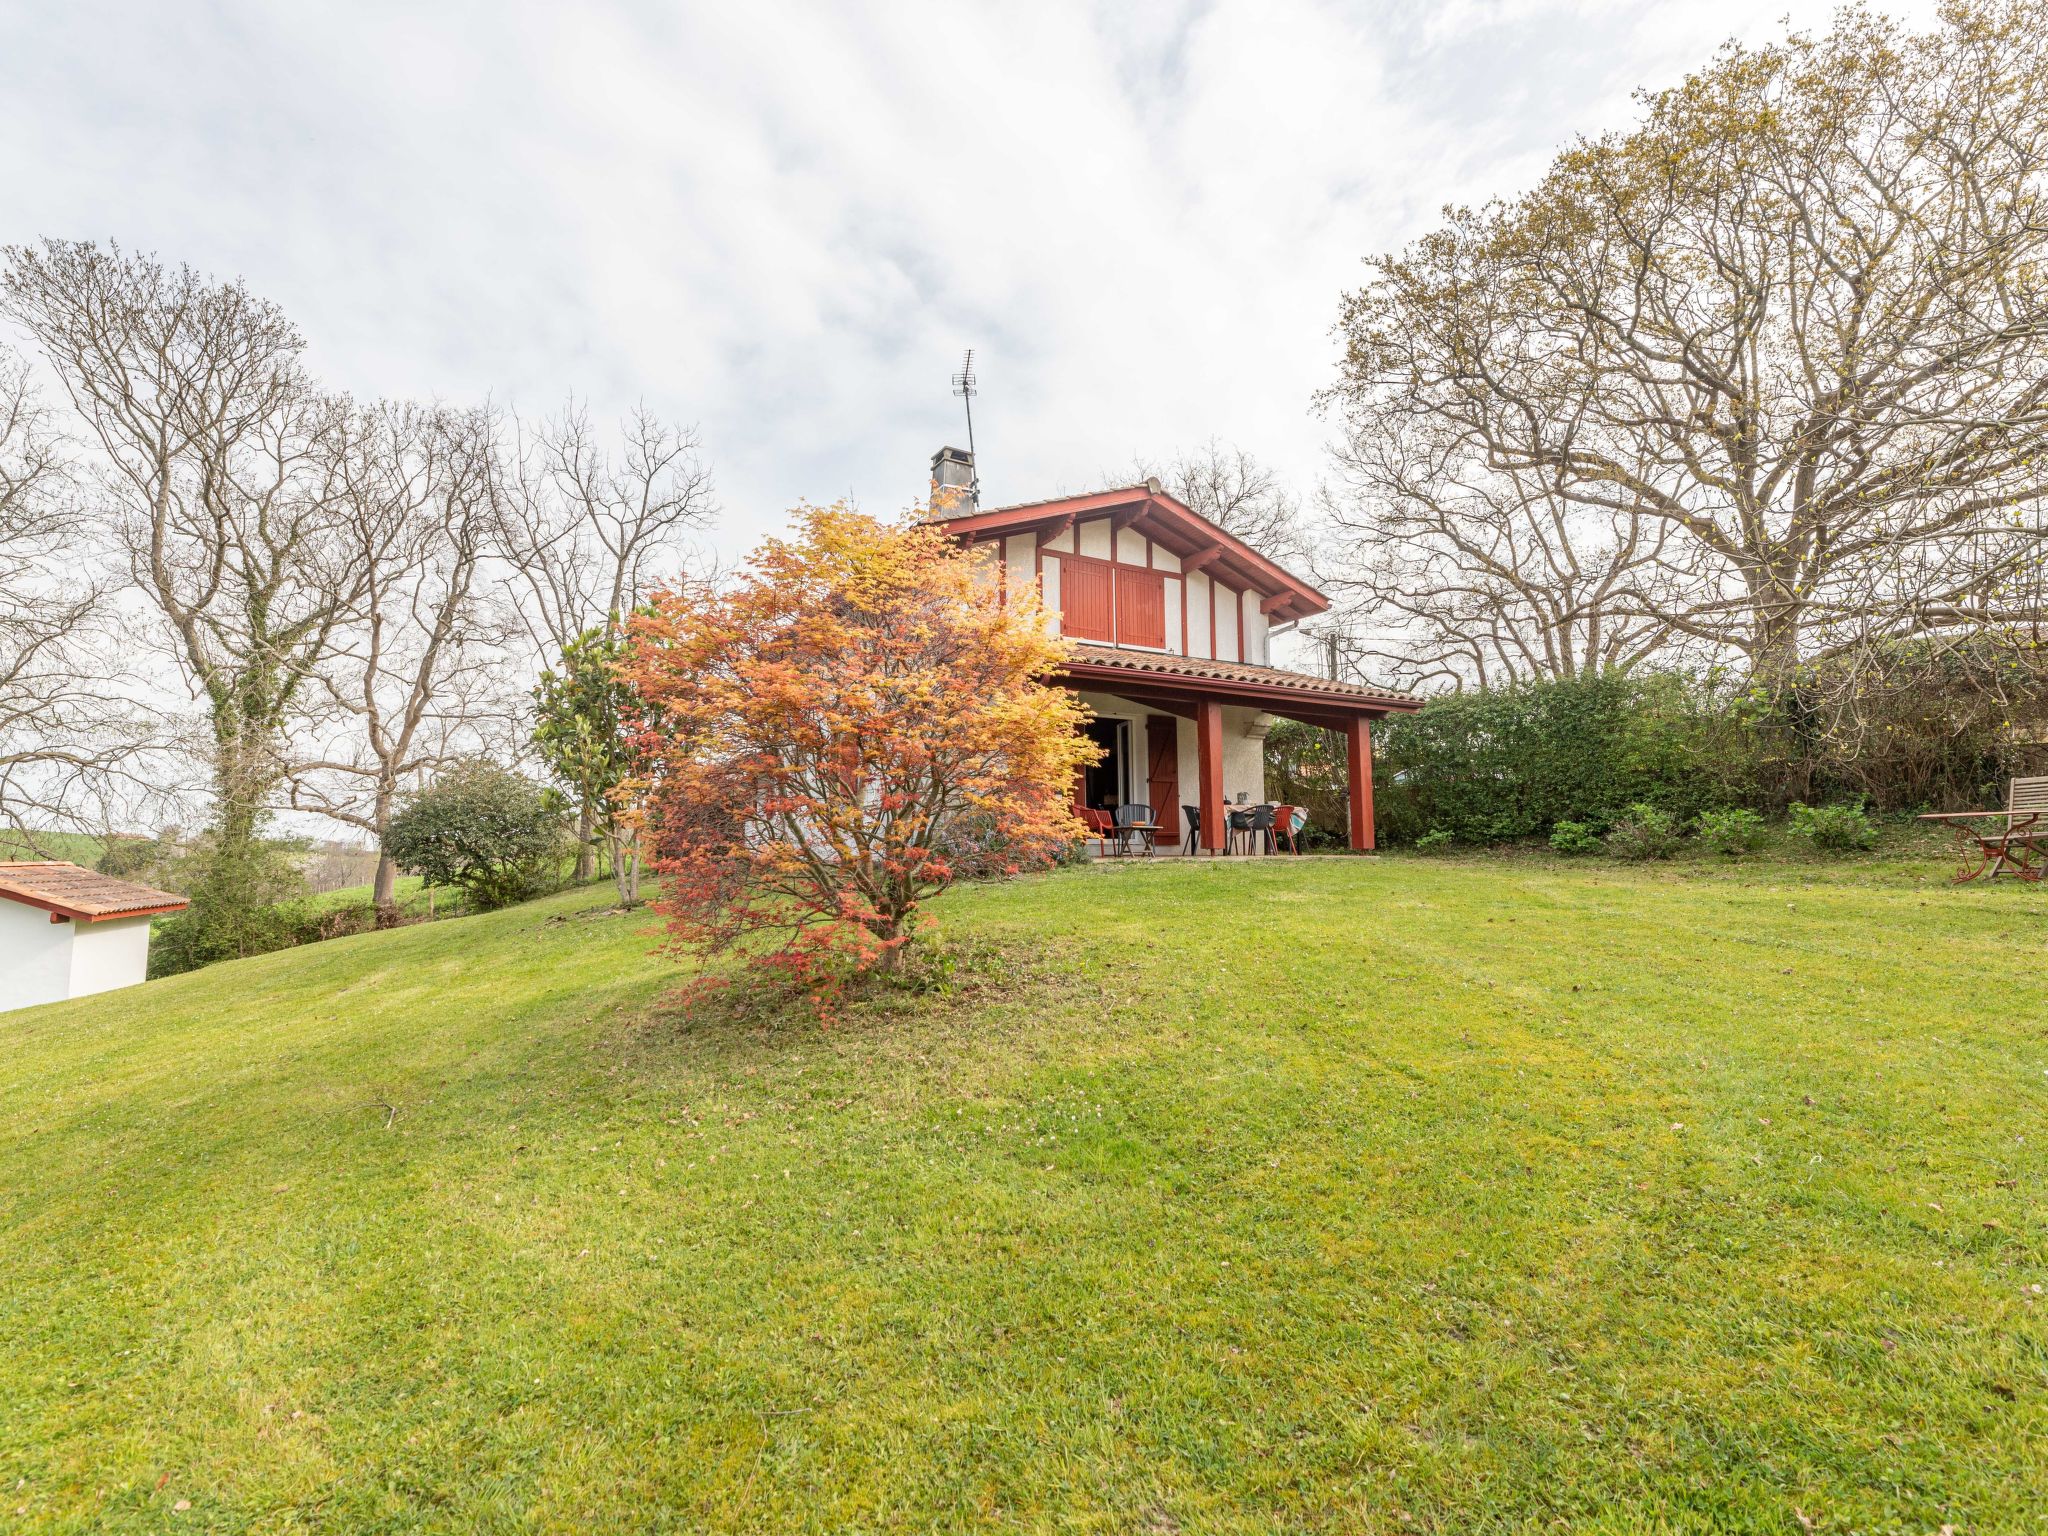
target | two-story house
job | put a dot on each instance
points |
(1172, 621)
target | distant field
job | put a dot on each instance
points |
(75, 847)
(1337, 1195)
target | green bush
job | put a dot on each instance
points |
(1500, 764)
(246, 900)
(1574, 837)
(496, 835)
(1834, 828)
(1731, 832)
(1643, 832)
(1438, 841)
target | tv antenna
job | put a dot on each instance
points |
(963, 386)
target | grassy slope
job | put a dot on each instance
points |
(1402, 1196)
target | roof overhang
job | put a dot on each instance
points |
(68, 892)
(1198, 543)
(1179, 694)
(76, 914)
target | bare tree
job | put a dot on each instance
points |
(1233, 490)
(65, 734)
(214, 472)
(1790, 335)
(415, 677)
(591, 529)
(1450, 572)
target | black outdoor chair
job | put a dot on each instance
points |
(1194, 842)
(1254, 825)
(1135, 820)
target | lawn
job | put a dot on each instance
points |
(1334, 1195)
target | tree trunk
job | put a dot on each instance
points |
(586, 846)
(1774, 668)
(625, 855)
(384, 886)
(383, 892)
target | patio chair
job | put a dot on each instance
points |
(2013, 841)
(1254, 827)
(1134, 820)
(1285, 826)
(1194, 839)
(1101, 830)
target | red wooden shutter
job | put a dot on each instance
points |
(1140, 607)
(1162, 778)
(1084, 600)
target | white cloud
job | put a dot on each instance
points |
(784, 221)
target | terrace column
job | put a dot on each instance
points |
(1358, 741)
(1209, 776)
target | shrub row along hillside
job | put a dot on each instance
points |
(1503, 764)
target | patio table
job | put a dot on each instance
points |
(1150, 830)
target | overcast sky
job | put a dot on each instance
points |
(785, 223)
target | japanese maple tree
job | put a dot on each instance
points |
(853, 725)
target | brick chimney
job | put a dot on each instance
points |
(954, 492)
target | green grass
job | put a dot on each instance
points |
(1411, 1195)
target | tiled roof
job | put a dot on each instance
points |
(78, 892)
(1201, 669)
(1141, 489)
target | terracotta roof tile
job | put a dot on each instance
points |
(78, 892)
(1197, 667)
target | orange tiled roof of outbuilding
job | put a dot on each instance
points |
(71, 890)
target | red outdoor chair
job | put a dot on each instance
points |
(1101, 830)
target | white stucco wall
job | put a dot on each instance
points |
(35, 957)
(1021, 551)
(46, 962)
(1198, 614)
(1244, 753)
(1256, 627)
(109, 954)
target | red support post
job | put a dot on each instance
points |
(1358, 741)
(1209, 761)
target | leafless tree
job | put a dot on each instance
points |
(214, 473)
(592, 528)
(1786, 341)
(1451, 573)
(415, 677)
(65, 735)
(1233, 490)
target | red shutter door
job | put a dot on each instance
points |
(1162, 777)
(1084, 600)
(1140, 607)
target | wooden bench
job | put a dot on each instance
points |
(2013, 841)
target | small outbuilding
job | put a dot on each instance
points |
(68, 932)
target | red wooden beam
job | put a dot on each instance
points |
(1201, 559)
(1209, 776)
(1276, 602)
(1358, 742)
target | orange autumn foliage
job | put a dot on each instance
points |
(854, 725)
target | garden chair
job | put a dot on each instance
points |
(2013, 841)
(1254, 826)
(1283, 826)
(1134, 820)
(1101, 830)
(1194, 839)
